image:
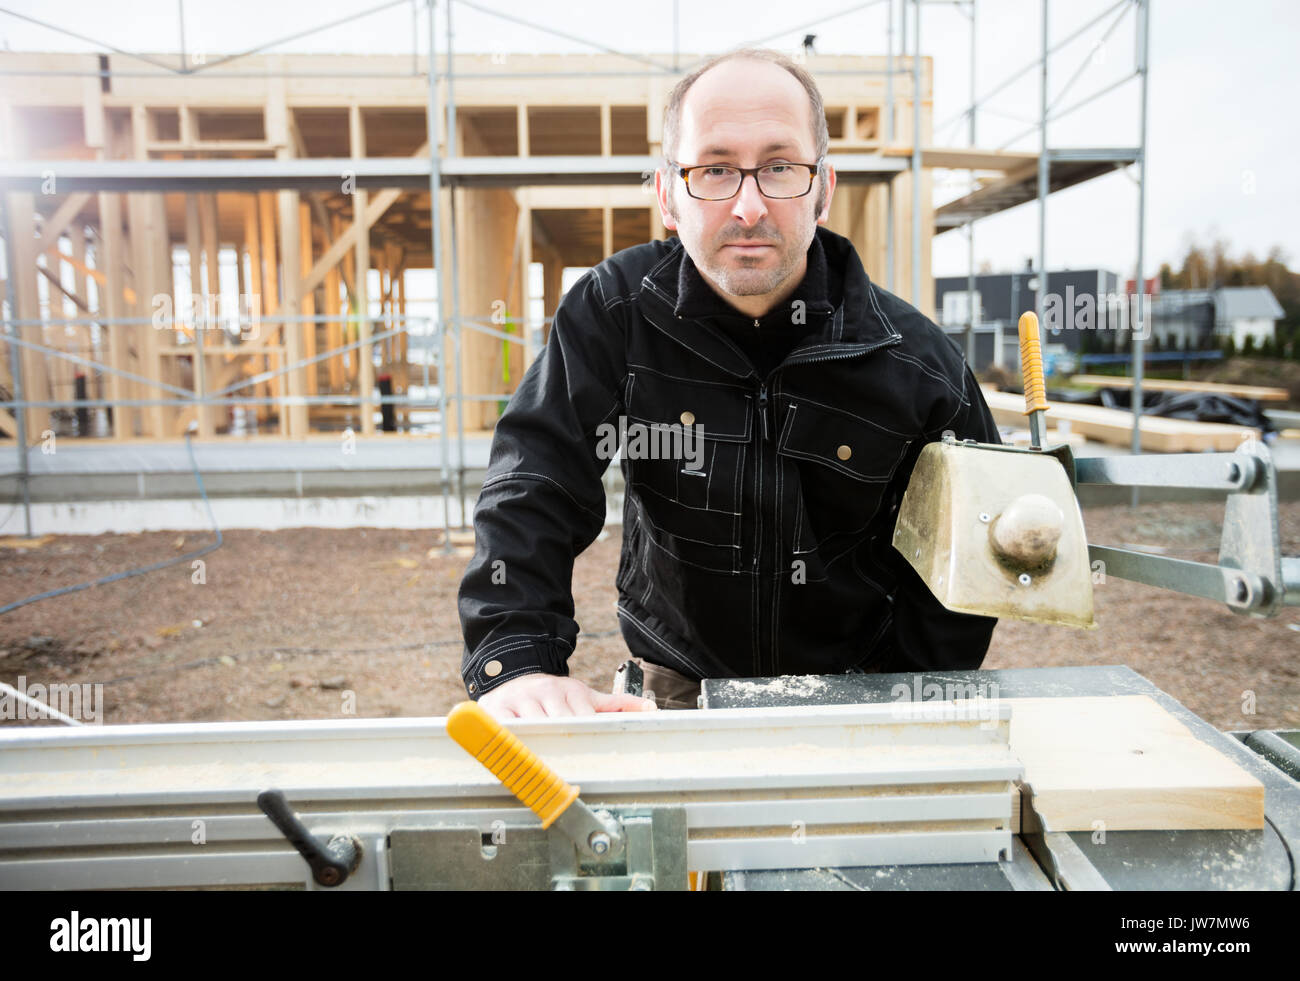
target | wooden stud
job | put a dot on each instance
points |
(212, 252)
(271, 295)
(291, 307)
(308, 296)
(24, 284)
(360, 207)
(338, 364)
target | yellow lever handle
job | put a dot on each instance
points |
(537, 786)
(1031, 364)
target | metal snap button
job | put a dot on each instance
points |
(688, 418)
(492, 669)
(844, 452)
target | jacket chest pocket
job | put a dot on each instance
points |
(843, 465)
(683, 457)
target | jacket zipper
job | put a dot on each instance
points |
(763, 413)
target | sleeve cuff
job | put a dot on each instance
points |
(507, 658)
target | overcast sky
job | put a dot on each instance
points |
(1222, 137)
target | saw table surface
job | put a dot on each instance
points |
(1127, 860)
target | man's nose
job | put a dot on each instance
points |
(749, 205)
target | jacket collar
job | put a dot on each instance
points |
(685, 304)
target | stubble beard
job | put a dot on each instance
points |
(750, 275)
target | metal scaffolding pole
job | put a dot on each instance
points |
(16, 373)
(435, 189)
(889, 138)
(1139, 284)
(1040, 294)
(916, 156)
(456, 349)
(970, 228)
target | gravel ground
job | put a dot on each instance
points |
(313, 623)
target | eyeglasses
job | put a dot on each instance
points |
(713, 182)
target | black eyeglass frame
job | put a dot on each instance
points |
(813, 170)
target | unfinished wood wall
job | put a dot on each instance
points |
(307, 253)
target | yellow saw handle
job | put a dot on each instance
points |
(537, 786)
(1031, 364)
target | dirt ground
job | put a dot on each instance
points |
(313, 623)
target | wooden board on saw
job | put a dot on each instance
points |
(1115, 426)
(1127, 762)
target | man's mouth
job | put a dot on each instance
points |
(749, 247)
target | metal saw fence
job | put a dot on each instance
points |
(158, 806)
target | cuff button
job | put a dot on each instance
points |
(844, 452)
(688, 418)
(492, 669)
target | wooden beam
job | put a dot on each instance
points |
(966, 159)
(1143, 769)
(109, 258)
(252, 244)
(1115, 426)
(370, 211)
(54, 226)
(1161, 385)
(337, 364)
(271, 298)
(308, 296)
(23, 279)
(360, 232)
(292, 307)
(196, 213)
(101, 280)
(80, 303)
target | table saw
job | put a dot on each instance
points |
(809, 782)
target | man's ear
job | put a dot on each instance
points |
(662, 177)
(825, 215)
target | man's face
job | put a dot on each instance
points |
(745, 114)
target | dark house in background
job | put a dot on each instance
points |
(1084, 307)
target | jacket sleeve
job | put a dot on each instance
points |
(542, 501)
(926, 636)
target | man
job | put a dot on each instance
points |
(798, 395)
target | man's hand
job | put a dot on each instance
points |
(548, 694)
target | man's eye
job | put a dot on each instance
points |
(777, 169)
(716, 171)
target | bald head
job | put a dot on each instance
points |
(738, 91)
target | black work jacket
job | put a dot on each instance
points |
(772, 556)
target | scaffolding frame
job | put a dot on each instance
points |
(446, 169)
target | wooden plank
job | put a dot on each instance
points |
(334, 329)
(1169, 385)
(271, 299)
(23, 280)
(1115, 426)
(1127, 762)
(98, 276)
(211, 228)
(360, 231)
(54, 226)
(308, 300)
(965, 159)
(292, 308)
(109, 258)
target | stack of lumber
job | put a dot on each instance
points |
(1115, 426)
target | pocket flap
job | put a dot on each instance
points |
(846, 443)
(721, 411)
